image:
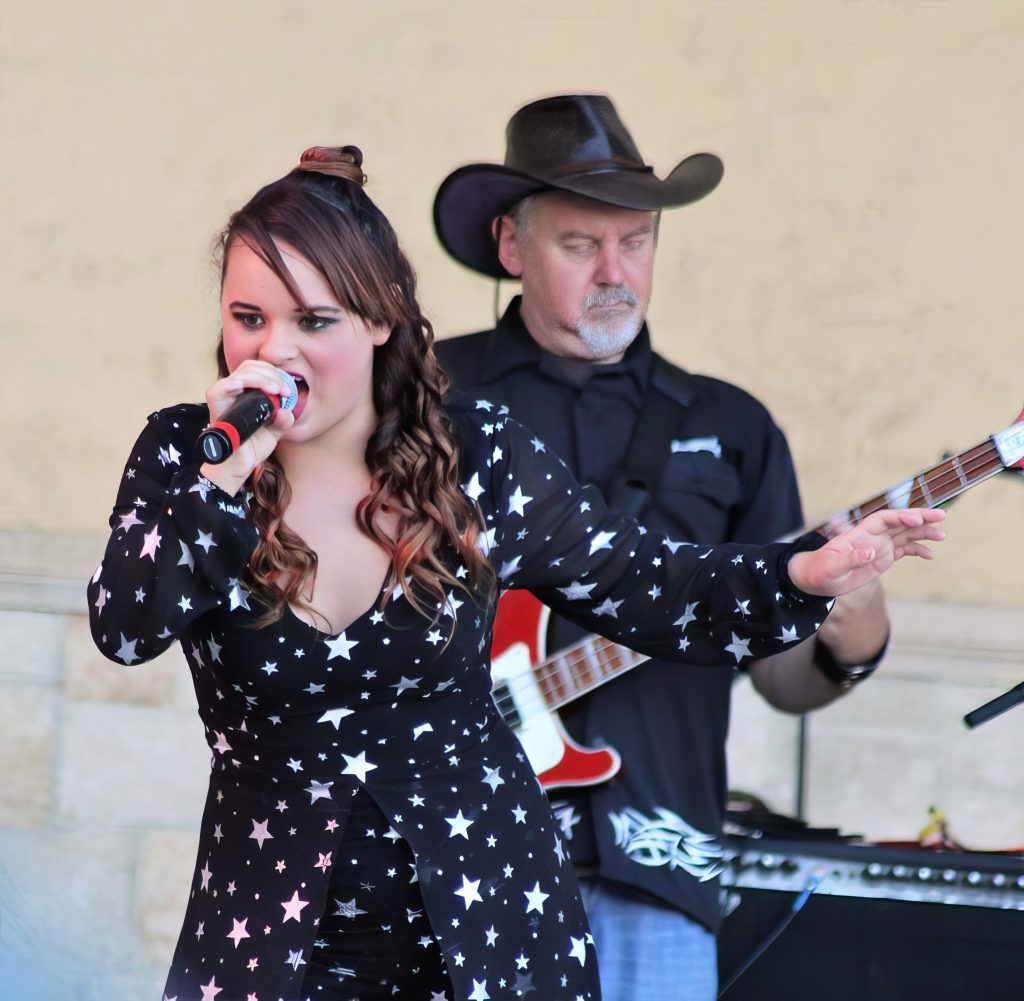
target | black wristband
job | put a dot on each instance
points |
(845, 675)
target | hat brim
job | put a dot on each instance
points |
(471, 197)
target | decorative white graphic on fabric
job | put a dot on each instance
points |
(710, 444)
(567, 817)
(667, 839)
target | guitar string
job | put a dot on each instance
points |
(944, 476)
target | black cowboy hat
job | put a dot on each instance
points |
(574, 143)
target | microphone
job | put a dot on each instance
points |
(251, 410)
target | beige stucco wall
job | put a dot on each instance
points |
(857, 269)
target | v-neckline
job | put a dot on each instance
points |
(338, 632)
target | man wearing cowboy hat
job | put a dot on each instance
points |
(574, 214)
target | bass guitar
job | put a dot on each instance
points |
(530, 687)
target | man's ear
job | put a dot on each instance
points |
(506, 238)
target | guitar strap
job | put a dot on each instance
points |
(633, 486)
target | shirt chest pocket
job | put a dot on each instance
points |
(698, 492)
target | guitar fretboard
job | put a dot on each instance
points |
(931, 488)
(583, 667)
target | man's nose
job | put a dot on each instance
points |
(609, 267)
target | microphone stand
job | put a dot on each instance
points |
(995, 707)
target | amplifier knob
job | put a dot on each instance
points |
(925, 875)
(1018, 883)
(876, 870)
(900, 872)
(949, 875)
(999, 879)
(974, 878)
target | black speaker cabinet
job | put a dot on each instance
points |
(882, 925)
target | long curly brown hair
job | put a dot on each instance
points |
(321, 210)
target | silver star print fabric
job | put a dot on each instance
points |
(372, 827)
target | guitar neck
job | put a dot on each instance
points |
(581, 668)
(938, 484)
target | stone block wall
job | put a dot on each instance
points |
(102, 778)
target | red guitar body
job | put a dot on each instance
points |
(519, 644)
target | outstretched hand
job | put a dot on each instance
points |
(865, 551)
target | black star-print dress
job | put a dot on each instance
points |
(372, 827)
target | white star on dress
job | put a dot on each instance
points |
(340, 646)
(576, 591)
(473, 489)
(149, 548)
(405, 684)
(238, 932)
(335, 716)
(210, 990)
(788, 634)
(459, 825)
(493, 778)
(739, 648)
(579, 949)
(293, 908)
(127, 650)
(260, 832)
(608, 607)
(535, 899)
(469, 891)
(130, 519)
(357, 766)
(687, 617)
(319, 790)
(601, 541)
(509, 567)
(518, 501)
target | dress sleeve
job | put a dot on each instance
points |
(178, 545)
(603, 570)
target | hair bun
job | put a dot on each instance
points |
(337, 161)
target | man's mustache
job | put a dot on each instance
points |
(609, 297)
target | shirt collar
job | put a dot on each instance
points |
(513, 348)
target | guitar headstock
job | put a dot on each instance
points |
(1010, 444)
